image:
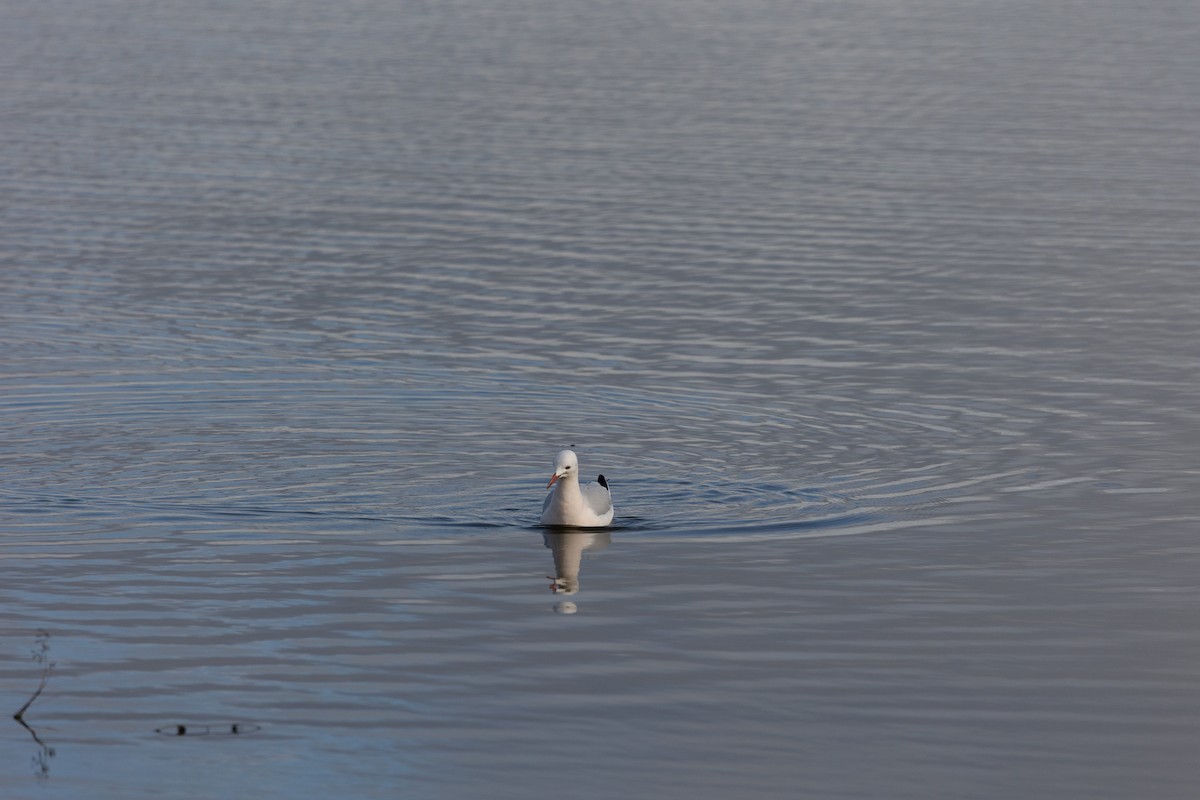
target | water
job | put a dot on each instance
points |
(879, 318)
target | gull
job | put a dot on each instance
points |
(582, 506)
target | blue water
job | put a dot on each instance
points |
(879, 318)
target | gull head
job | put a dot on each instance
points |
(565, 463)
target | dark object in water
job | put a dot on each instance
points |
(233, 729)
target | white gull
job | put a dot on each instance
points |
(584, 506)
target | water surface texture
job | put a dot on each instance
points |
(880, 318)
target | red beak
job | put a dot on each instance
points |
(553, 478)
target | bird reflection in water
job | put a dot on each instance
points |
(568, 548)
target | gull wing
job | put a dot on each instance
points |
(597, 497)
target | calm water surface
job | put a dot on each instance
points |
(880, 318)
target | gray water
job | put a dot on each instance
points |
(879, 317)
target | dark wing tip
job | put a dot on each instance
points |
(602, 482)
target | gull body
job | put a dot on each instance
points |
(587, 505)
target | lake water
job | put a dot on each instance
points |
(879, 317)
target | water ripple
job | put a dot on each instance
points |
(879, 319)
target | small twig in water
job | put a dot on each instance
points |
(41, 761)
(40, 655)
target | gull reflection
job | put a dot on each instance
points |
(568, 547)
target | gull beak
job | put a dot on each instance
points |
(553, 478)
